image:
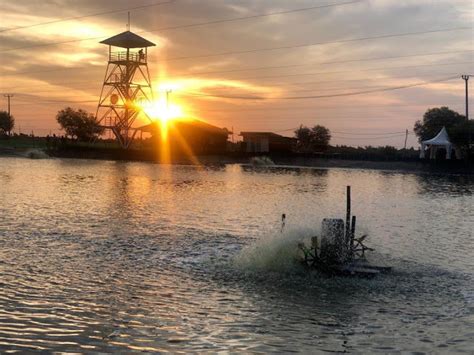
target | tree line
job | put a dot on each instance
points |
(459, 128)
(80, 125)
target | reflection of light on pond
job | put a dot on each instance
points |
(112, 257)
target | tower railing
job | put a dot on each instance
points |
(126, 80)
(139, 57)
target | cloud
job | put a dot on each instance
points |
(76, 69)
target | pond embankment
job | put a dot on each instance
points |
(286, 160)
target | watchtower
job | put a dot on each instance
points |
(127, 85)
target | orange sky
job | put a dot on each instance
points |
(249, 71)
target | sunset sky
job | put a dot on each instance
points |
(250, 65)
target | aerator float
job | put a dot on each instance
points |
(338, 251)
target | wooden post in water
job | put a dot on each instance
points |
(353, 229)
(348, 215)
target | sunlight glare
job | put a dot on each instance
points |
(160, 110)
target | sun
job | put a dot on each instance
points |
(161, 110)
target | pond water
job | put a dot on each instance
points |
(121, 257)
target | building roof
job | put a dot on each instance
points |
(128, 39)
(206, 126)
(186, 123)
(263, 134)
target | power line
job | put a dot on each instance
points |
(351, 70)
(191, 25)
(286, 130)
(81, 88)
(379, 135)
(365, 79)
(54, 102)
(323, 63)
(271, 48)
(254, 97)
(274, 67)
(404, 34)
(247, 97)
(273, 84)
(85, 16)
(368, 138)
(308, 90)
(46, 102)
(326, 96)
(292, 108)
(367, 134)
(51, 102)
(370, 91)
(254, 16)
(315, 73)
(318, 73)
(46, 71)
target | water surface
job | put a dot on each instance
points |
(112, 256)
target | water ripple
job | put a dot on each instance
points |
(125, 257)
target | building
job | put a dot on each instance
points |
(266, 142)
(195, 135)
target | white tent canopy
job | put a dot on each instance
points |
(440, 140)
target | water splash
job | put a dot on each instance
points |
(275, 251)
(36, 154)
(261, 161)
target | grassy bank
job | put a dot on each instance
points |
(305, 160)
(22, 146)
(23, 142)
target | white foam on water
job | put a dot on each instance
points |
(275, 251)
(36, 154)
(261, 161)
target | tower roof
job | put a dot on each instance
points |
(128, 39)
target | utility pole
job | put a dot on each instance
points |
(466, 79)
(8, 96)
(406, 137)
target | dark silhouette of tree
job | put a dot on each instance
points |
(461, 133)
(79, 124)
(381, 153)
(434, 120)
(321, 137)
(303, 135)
(7, 122)
(313, 139)
(458, 127)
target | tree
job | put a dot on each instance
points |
(321, 137)
(460, 130)
(313, 139)
(303, 135)
(461, 133)
(434, 120)
(7, 122)
(79, 124)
